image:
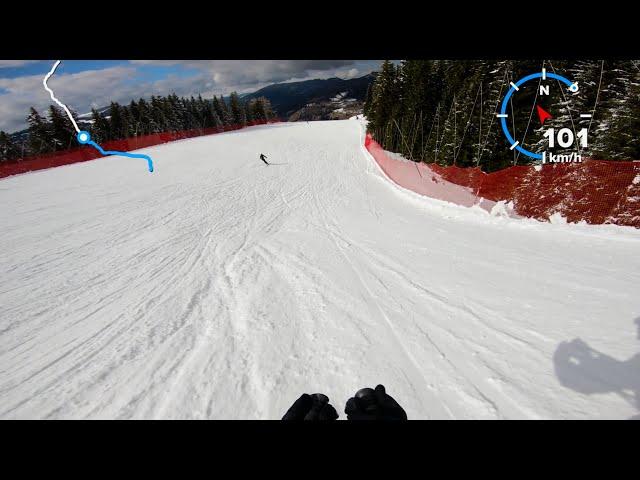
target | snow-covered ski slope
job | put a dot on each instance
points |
(218, 287)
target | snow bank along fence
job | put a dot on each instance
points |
(594, 191)
(85, 153)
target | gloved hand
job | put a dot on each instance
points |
(370, 404)
(311, 407)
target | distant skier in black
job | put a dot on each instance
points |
(263, 157)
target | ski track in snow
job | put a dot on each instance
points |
(221, 288)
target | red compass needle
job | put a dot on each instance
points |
(543, 114)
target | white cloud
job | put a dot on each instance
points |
(243, 74)
(351, 73)
(96, 88)
(77, 90)
(15, 63)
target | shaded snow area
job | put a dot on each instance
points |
(218, 287)
(424, 180)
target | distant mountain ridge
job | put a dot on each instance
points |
(287, 98)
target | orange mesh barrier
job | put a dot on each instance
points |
(594, 191)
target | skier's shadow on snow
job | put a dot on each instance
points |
(585, 370)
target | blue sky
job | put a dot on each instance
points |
(82, 84)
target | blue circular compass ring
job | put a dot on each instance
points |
(514, 87)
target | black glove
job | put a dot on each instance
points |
(369, 404)
(311, 407)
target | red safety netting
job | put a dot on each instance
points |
(82, 154)
(594, 191)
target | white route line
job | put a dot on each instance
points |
(44, 82)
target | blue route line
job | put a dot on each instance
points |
(84, 138)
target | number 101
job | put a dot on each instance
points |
(565, 137)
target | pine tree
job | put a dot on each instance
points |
(194, 121)
(237, 112)
(116, 121)
(129, 122)
(61, 129)
(217, 108)
(455, 99)
(40, 138)
(367, 101)
(222, 110)
(100, 128)
(160, 123)
(8, 149)
(622, 141)
(144, 117)
(587, 73)
(491, 139)
(384, 101)
(433, 124)
(134, 117)
(269, 114)
(417, 103)
(257, 109)
(169, 112)
(613, 106)
(201, 111)
(248, 112)
(468, 118)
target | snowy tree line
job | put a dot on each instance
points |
(444, 111)
(55, 132)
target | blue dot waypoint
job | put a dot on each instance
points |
(83, 137)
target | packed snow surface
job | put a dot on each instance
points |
(218, 287)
